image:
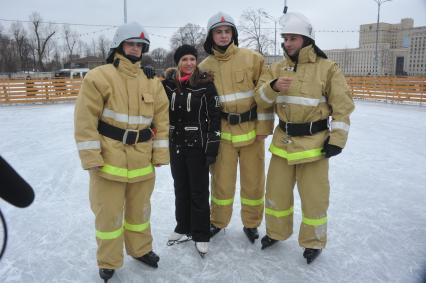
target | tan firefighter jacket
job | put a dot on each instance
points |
(124, 97)
(236, 73)
(318, 91)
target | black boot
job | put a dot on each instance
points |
(267, 242)
(311, 254)
(214, 230)
(150, 259)
(106, 274)
(251, 233)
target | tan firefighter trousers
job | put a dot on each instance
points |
(314, 190)
(251, 159)
(109, 200)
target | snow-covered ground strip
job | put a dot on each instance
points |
(377, 212)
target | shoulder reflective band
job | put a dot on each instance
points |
(160, 143)
(88, 145)
(109, 235)
(123, 172)
(136, 227)
(239, 138)
(222, 201)
(279, 213)
(314, 222)
(235, 96)
(251, 202)
(265, 116)
(295, 155)
(124, 118)
(339, 125)
(300, 100)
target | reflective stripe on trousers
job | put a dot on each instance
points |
(117, 233)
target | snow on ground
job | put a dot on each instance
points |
(377, 212)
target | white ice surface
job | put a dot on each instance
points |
(377, 215)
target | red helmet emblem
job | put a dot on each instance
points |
(142, 35)
(222, 19)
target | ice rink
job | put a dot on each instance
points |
(377, 215)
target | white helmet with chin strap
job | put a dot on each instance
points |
(296, 23)
(217, 20)
(220, 19)
(129, 32)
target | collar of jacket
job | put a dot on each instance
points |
(225, 56)
(306, 55)
(127, 67)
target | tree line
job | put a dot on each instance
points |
(41, 46)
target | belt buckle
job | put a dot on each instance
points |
(286, 128)
(310, 128)
(126, 133)
(232, 121)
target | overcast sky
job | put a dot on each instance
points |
(325, 15)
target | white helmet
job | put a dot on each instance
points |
(296, 23)
(131, 32)
(217, 20)
(220, 19)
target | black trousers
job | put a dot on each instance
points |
(191, 182)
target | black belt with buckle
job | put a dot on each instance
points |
(236, 118)
(127, 136)
(304, 129)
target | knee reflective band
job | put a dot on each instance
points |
(136, 227)
(109, 235)
(314, 222)
(295, 155)
(222, 201)
(240, 138)
(251, 202)
(124, 172)
(279, 213)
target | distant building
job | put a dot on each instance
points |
(85, 62)
(401, 51)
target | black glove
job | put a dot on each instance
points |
(149, 72)
(210, 160)
(330, 149)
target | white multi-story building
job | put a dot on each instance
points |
(401, 50)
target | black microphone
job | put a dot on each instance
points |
(13, 188)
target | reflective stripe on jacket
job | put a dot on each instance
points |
(236, 72)
(123, 97)
(318, 91)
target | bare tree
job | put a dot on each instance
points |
(42, 35)
(7, 62)
(103, 46)
(71, 38)
(21, 42)
(189, 34)
(251, 32)
(158, 55)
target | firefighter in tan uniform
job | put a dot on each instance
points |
(305, 90)
(121, 130)
(244, 127)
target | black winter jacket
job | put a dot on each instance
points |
(194, 114)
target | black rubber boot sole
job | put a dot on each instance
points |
(311, 254)
(267, 242)
(251, 233)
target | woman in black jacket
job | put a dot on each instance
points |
(194, 142)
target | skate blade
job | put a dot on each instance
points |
(177, 242)
(201, 254)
